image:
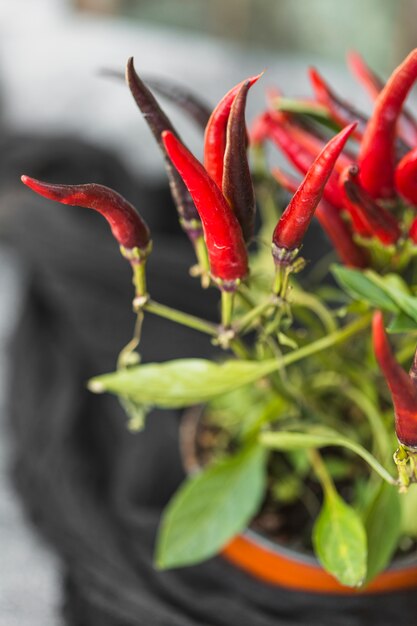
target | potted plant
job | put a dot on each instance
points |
(304, 439)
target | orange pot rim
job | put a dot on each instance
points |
(279, 565)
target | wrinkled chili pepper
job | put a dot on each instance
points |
(127, 226)
(223, 234)
(403, 386)
(332, 223)
(406, 176)
(341, 111)
(377, 152)
(378, 221)
(237, 181)
(295, 220)
(216, 133)
(158, 122)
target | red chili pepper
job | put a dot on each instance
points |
(237, 181)
(222, 232)
(341, 112)
(296, 218)
(374, 85)
(216, 132)
(158, 122)
(332, 223)
(376, 219)
(128, 228)
(302, 158)
(377, 153)
(406, 176)
(402, 386)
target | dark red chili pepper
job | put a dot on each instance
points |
(216, 133)
(376, 219)
(187, 100)
(377, 153)
(127, 226)
(406, 176)
(374, 85)
(332, 223)
(222, 232)
(301, 157)
(402, 386)
(341, 112)
(295, 220)
(237, 181)
(158, 122)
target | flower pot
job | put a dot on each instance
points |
(274, 563)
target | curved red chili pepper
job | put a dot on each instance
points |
(296, 218)
(341, 112)
(332, 223)
(158, 122)
(224, 239)
(216, 132)
(402, 386)
(127, 226)
(406, 176)
(302, 158)
(377, 219)
(377, 153)
(374, 85)
(237, 181)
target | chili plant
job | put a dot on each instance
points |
(310, 408)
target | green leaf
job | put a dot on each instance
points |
(211, 508)
(383, 528)
(320, 438)
(402, 323)
(395, 290)
(358, 284)
(181, 383)
(409, 512)
(339, 541)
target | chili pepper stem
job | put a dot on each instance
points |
(202, 268)
(228, 298)
(139, 282)
(282, 275)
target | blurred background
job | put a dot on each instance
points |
(52, 53)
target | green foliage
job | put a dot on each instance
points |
(181, 383)
(211, 508)
(339, 541)
(383, 528)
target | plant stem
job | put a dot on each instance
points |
(329, 340)
(307, 300)
(321, 472)
(139, 279)
(181, 318)
(203, 261)
(126, 352)
(252, 315)
(227, 308)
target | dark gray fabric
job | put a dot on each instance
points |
(95, 490)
